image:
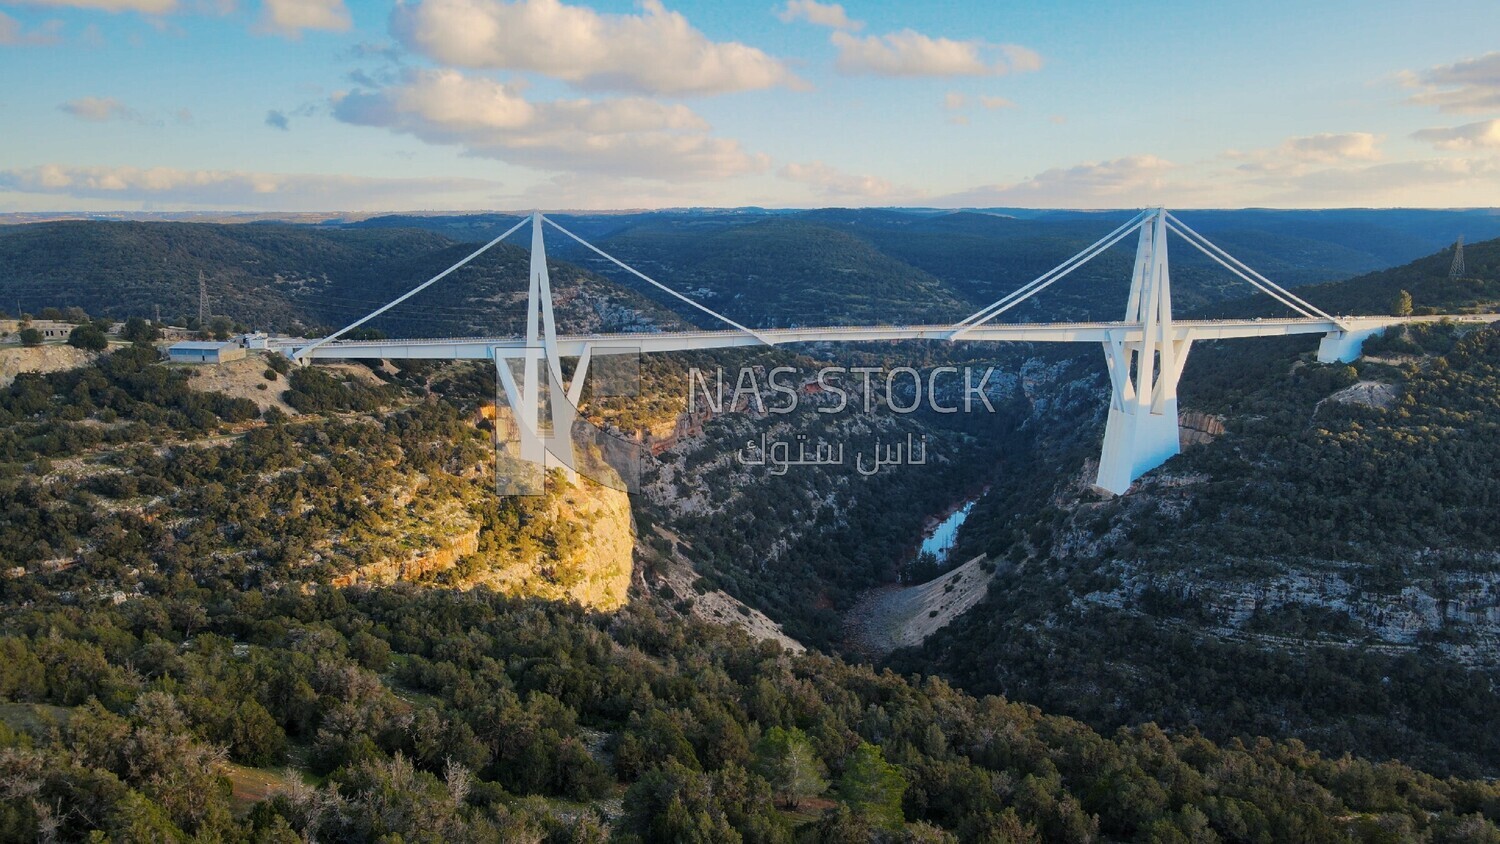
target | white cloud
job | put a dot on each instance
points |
(1129, 182)
(1465, 87)
(240, 189)
(632, 136)
(1326, 147)
(1300, 153)
(830, 181)
(100, 110)
(910, 53)
(831, 15)
(1340, 170)
(656, 52)
(1485, 133)
(993, 103)
(1452, 182)
(12, 35)
(954, 100)
(290, 17)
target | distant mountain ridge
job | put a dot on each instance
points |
(295, 277)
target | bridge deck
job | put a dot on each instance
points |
(483, 348)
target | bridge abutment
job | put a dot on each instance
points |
(1345, 346)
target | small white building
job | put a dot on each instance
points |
(196, 351)
(53, 329)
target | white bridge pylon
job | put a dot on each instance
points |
(1144, 352)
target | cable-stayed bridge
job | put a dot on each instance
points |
(1145, 351)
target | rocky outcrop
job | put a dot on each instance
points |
(52, 357)
(596, 573)
(1459, 610)
(1198, 428)
(667, 435)
(672, 578)
(1368, 393)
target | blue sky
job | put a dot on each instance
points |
(468, 104)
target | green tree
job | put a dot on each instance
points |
(674, 803)
(30, 336)
(840, 825)
(89, 338)
(1402, 305)
(138, 819)
(873, 787)
(255, 736)
(787, 761)
(138, 330)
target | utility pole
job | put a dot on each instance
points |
(158, 313)
(1457, 270)
(202, 302)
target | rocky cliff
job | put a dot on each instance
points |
(595, 572)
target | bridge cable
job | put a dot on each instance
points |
(1065, 267)
(1045, 280)
(410, 293)
(1233, 269)
(649, 280)
(1192, 237)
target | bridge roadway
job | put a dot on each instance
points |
(486, 348)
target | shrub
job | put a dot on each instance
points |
(88, 337)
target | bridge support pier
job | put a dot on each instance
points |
(1136, 443)
(545, 438)
(1345, 346)
(1141, 432)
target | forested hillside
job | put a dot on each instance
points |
(1427, 279)
(1327, 568)
(255, 271)
(185, 658)
(176, 667)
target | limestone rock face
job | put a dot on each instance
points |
(1368, 393)
(1458, 609)
(1198, 428)
(664, 436)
